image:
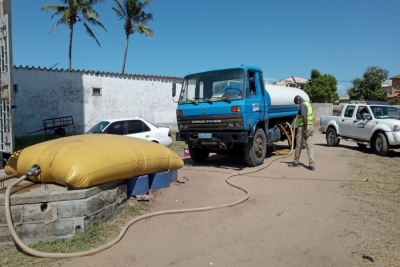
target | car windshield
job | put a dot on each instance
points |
(385, 112)
(99, 127)
(219, 85)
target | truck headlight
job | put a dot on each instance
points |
(230, 124)
(238, 124)
(396, 128)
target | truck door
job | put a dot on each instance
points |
(363, 128)
(346, 122)
(254, 97)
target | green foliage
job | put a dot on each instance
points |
(395, 101)
(322, 88)
(369, 87)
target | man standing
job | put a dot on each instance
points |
(304, 132)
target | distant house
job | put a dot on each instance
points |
(293, 81)
(395, 86)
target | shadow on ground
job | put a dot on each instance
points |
(367, 150)
(235, 161)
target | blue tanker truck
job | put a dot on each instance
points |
(231, 110)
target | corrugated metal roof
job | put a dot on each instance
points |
(177, 79)
(394, 77)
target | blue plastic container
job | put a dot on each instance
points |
(138, 185)
(159, 180)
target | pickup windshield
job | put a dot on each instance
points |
(219, 85)
(385, 112)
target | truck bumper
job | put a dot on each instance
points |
(212, 138)
(322, 130)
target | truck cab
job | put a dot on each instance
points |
(227, 110)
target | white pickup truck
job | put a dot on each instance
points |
(378, 128)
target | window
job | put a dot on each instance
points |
(349, 111)
(96, 91)
(137, 126)
(15, 88)
(117, 127)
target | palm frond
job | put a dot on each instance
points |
(142, 28)
(60, 21)
(120, 10)
(90, 33)
(95, 22)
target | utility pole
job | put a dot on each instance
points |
(7, 139)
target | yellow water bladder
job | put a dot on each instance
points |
(82, 161)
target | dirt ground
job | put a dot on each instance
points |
(294, 217)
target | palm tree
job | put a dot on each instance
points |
(72, 12)
(135, 20)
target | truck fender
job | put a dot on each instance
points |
(384, 129)
(333, 124)
(253, 130)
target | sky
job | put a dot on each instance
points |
(283, 37)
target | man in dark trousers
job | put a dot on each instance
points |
(304, 132)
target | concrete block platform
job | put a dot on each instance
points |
(44, 212)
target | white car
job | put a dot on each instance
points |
(135, 127)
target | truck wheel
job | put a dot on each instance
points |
(256, 148)
(198, 155)
(331, 137)
(380, 145)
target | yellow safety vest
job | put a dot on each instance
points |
(310, 120)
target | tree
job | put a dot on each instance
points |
(72, 12)
(369, 87)
(135, 20)
(322, 88)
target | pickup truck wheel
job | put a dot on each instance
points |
(380, 145)
(256, 148)
(331, 137)
(198, 155)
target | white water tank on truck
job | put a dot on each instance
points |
(284, 95)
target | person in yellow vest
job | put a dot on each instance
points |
(304, 132)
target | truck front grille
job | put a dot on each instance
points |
(210, 123)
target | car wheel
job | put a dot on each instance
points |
(332, 138)
(380, 145)
(256, 148)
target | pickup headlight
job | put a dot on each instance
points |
(396, 128)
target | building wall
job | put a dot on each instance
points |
(43, 94)
(395, 86)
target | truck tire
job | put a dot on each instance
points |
(332, 138)
(198, 155)
(380, 145)
(256, 148)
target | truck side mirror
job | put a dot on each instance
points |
(174, 89)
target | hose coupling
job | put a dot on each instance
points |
(35, 170)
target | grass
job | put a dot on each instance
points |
(376, 186)
(28, 140)
(93, 237)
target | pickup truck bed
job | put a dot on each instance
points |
(378, 128)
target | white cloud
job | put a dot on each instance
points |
(342, 89)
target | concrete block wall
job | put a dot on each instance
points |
(39, 220)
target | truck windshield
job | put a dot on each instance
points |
(219, 85)
(385, 112)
